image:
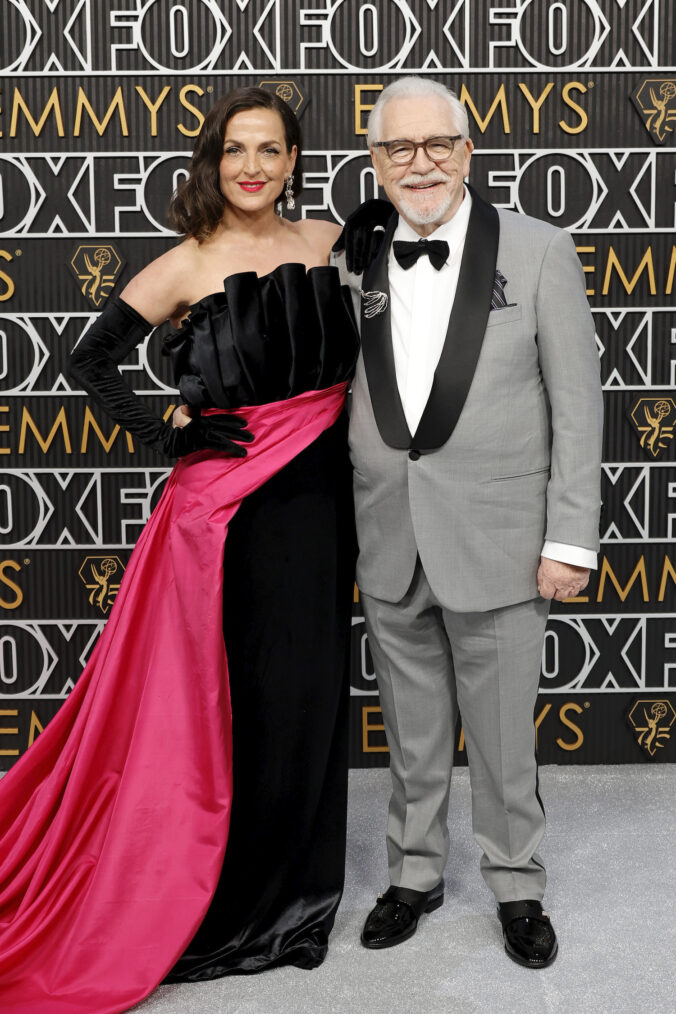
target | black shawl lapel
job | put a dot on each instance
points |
(376, 343)
(466, 328)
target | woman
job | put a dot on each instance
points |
(112, 868)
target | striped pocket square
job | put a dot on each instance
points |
(498, 299)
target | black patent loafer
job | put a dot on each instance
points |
(395, 917)
(528, 933)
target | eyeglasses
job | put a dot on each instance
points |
(437, 149)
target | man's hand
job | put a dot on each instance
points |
(181, 417)
(560, 580)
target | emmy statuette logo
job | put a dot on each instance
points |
(102, 576)
(96, 268)
(652, 721)
(653, 420)
(287, 91)
(655, 99)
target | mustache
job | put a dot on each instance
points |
(413, 179)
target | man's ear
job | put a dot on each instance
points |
(374, 161)
(467, 156)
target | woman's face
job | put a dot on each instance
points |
(255, 161)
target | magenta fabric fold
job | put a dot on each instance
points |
(113, 826)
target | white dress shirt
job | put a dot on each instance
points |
(421, 304)
(421, 300)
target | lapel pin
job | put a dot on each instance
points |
(374, 302)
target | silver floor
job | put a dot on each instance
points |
(610, 849)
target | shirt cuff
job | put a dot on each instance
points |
(574, 555)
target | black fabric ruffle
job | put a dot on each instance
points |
(265, 339)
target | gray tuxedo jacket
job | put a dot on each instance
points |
(508, 450)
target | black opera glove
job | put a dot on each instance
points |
(363, 233)
(215, 432)
(93, 366)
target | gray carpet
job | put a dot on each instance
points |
(609, 849)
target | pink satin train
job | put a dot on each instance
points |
(113, 826)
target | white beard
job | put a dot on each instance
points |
(413, 213)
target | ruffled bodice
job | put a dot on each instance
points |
(265, 339)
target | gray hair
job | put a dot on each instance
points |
(416, 87)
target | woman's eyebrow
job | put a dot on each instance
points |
(233, 140)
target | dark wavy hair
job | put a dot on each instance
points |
(197, 206)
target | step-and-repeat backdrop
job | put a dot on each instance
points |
(572, 107)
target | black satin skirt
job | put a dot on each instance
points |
(289, 558)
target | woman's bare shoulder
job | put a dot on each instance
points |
(162, 289)
(319, 234)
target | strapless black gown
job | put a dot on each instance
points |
(289, 566)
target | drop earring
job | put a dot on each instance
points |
(288, 193)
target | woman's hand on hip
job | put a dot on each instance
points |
(181, 417)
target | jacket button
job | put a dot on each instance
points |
(414, 455)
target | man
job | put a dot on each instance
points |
(475, 436)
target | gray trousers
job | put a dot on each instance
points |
(432, 664)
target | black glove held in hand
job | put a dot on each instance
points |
(363, 233)
(216, 432)
(93, 365)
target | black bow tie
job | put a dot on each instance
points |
(407, 253)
